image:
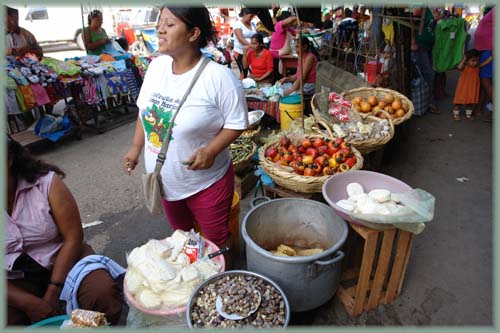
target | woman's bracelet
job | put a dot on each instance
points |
(57, 284)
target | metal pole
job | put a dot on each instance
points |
(301, 81)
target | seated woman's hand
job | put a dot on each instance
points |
(283, 80)
(38, 309)
(201, 159)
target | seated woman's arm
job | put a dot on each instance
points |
(245, 61)
(67, 217)
(308, 64)
(35, 308)
(94, 45)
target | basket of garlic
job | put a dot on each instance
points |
(366, 134)
(161, 275)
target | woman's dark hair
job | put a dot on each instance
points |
(347, 12)
(245, 11)
(258, 37)
(284, 15)
(25, 165)
(93, 14)
(472, 53)
(196, 17)
(309, 46)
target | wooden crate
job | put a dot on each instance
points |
(245, 183)
(374, 268)
(281, 192)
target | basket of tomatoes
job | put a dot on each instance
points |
(371, 101)
(302, 163)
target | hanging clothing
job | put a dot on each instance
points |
(449, 44)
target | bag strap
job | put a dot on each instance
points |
(161, 156)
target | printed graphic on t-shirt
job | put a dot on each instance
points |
(156, 119)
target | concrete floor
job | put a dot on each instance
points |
(449, 279)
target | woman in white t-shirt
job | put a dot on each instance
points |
(243, 31)
(197, 176)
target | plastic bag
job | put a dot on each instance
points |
(421, 210)
(53, 128)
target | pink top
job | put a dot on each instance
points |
(31, 228)
(278, 39)
(311, 78)
(483, 37)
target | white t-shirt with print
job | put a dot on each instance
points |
(216, 101)
(247, 34)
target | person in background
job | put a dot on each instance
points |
(243, 30)
(338, 15)
(19, 41)
(422, 43)
(43, 241)
(95, 37)
(197, 175)
(467, 90)
(483, 40)
(355, 12)
(259, 60)
(309, 59)
(282, 27)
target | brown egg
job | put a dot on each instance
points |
(396, 105)
(372, 100)
(399, 113)
(382, 104)
(389, 109)
(389, 98)
(381, 115)
(405, 106)
(365, 107)
(356, 100)
(375, 109)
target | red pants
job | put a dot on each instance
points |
(211, 208)
(97, 292)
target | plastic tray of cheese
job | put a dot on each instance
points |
(160, 279)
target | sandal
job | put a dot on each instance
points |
(434, 110)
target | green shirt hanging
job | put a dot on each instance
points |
(449, 44)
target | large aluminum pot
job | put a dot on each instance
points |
(308, 281)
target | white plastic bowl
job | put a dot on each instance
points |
(254, 118)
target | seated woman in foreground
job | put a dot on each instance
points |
(44, 240)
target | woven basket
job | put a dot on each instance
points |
(245, 164)
(320, 112)
(366, 92)
(287, 178)
(251, 134)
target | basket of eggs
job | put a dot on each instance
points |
(370, 101)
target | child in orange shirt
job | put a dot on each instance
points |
(467, 90)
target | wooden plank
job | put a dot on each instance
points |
(26, 138)
(364, 274)
(405, 265)
(397, 268)
(363, 231)
(382, 265)
(286, 193)
(346, 296)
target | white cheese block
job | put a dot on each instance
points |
(189, 273)
(346, 204)
(149, 299)
(380, 195)
(354, 189)
(358, 197)
(133, 281)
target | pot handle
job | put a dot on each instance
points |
(312, 270)
(254, 201)
(338, 256)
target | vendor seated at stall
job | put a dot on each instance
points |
(19, 41)
(44, 241)
(259, 59)
(95, 37)
(308, 57)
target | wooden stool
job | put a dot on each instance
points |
(378, 277)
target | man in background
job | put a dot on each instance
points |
(19, 41)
